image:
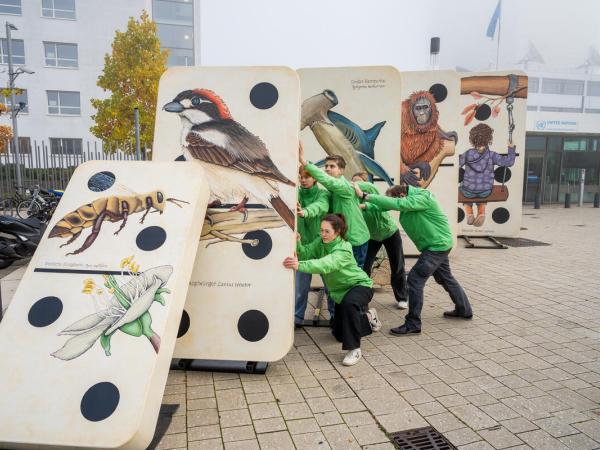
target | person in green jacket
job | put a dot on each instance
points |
(343, 201)
(313, 204)
(427, 226)
(384, 231)
(350, 287)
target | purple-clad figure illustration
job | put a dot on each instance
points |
(479, 163)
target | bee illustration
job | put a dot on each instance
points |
(111, 209)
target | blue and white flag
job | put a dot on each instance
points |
(491, 29)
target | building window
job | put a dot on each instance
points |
(575, 144)
(10, 7)
(64, 102)
(20, 98)
(58, 9)
(175, 25)
(24, 146)
(18, 51)
(562, 87)
(174, 13)
(66, 146)
(535, 142)
(533, 85)
(60, 55)
(593, 88)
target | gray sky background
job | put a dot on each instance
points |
(317, 33)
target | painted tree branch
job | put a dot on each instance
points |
(493, 85)
(221, 225)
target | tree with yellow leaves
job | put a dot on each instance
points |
(131, 73)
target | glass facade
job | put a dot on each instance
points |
(175, 23)
(556, 163)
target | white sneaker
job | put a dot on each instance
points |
(402, 305)
(374, 320)
(352, 357)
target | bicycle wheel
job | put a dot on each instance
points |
(28, 208)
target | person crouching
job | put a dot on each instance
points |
(349, 286)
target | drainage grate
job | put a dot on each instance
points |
(427, 438)
(522, 242)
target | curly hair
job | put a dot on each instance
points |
(481, 135)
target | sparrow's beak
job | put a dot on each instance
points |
(174, 107)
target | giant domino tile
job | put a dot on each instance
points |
(367, 98)
(503, 218)
(89, 336)
(444, 87)
(241, 298)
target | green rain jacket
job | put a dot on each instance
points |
(344, 201)
(335, 262)
(380, 223)
(315, 204)
(421, 217)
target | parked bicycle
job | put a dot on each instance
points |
(41, 205)
(9, 205)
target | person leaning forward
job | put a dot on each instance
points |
(427, 226)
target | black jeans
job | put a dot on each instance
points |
(393, 248)
(436, 264)
(350, 321)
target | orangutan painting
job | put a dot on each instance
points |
(424, 144)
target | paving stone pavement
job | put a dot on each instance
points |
(524, 373)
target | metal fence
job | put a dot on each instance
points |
(52, 169)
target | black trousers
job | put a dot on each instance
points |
(393, 248)
(436, 264)
(350, 321)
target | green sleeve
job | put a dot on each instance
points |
(326, 264)
(337, 186)
(308, 251)
(372, 207)
(319, 207)
(408, 203)
(370, 188)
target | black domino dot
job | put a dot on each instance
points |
(483, 112)
(264, 95)
(100, 401)
(263, 246)
(151, 238)
(180, 158)
(461, 175)
(501, 176)
(461, 215)
(500, 215)
(184, 324)
(101, 181)
(439, 92)
(253, 325)
(45, 311)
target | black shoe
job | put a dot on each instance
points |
(299, 325)
(455, 314)
(403, 330)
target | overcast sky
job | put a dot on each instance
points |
(316, 33)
